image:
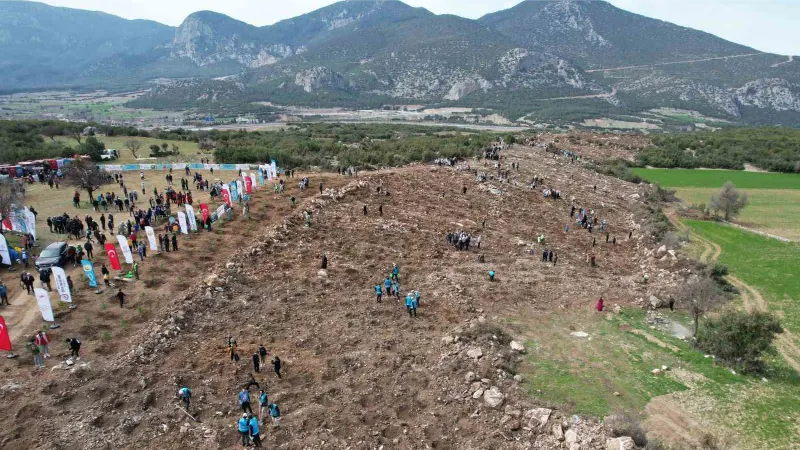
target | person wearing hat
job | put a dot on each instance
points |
(185, 394)
(244, 430)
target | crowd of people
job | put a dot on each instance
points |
(462, 240)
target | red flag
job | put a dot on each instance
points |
(53, 164)
(7, 223)
(112, 256)
(5, 340)
(248, 182)
(226, 196)
(204, 209)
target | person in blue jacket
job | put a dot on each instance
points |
(185, 394)
(254, 431)
(244, 430)
(378, 292)
(396, 289)
(491, 275)
(263, 402)
(244, 401)
(411, 305)
(417, 297)
(387, 286)
(275, 413)
(395, 271)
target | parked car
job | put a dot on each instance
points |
(54, 254)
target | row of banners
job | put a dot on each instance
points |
(23, 220)
(183, 166)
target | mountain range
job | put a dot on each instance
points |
(539, 59)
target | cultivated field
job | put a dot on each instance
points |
(189, 151)
(774, 198)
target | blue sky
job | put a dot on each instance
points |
(767, 25)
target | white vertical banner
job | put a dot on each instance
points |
(182, 222)
(43, 300)
(151, 237)
(30, 222)
(192, 218)
(61, 284)
(268, 171)
(253, 181)
(239, 189)
(126, 250)
(4, 255)
(274, 168)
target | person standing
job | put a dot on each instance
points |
(38, 362)
(174, 242)
(44, 277)
(136, 270)
(254, 431)
(378, 292)
(3, 294)
(276, 363)
(600, 305)
(140, 250)
(244, 401)
(121, 297)
(89, 247)
(263, 405)
(256, 362)
(43, 342)
(275, 413)
(262, 352)
(411, 305)
(244, 430)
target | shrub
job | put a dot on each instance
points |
(626, 423)
(739, 339)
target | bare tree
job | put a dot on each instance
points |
(700, 295)
(76, 135)
(175, 149)
(84, 175)
(730, 201)
(51, 131)
(133, 145)
(10, 195)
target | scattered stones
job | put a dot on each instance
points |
(478, 394)
(470, 377)
(655, 302)
(493, 397)
(656, 372)
(510, 411)
(518, 378)
(579, 334)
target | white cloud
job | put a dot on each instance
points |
(768, 25)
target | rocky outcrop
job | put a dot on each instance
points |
(770, 93)
(318, 78)
(465, 87)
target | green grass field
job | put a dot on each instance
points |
(772, 211)
(769, 265)
(678, 178)
(189, 151)
(774, 198)
(582, 375)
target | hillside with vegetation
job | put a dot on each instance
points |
(598, 60)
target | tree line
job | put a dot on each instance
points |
(769, 148)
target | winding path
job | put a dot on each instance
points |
(753, 300)
(689, 61)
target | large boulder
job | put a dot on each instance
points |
(493, 397)
(655, 302)
(558, 432)
(517, 347)
(537, 417)
(571, 436)
(620, 443)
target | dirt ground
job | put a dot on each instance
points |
(357, 374)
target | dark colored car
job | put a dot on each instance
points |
(54, 255)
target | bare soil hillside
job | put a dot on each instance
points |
(357, 374)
